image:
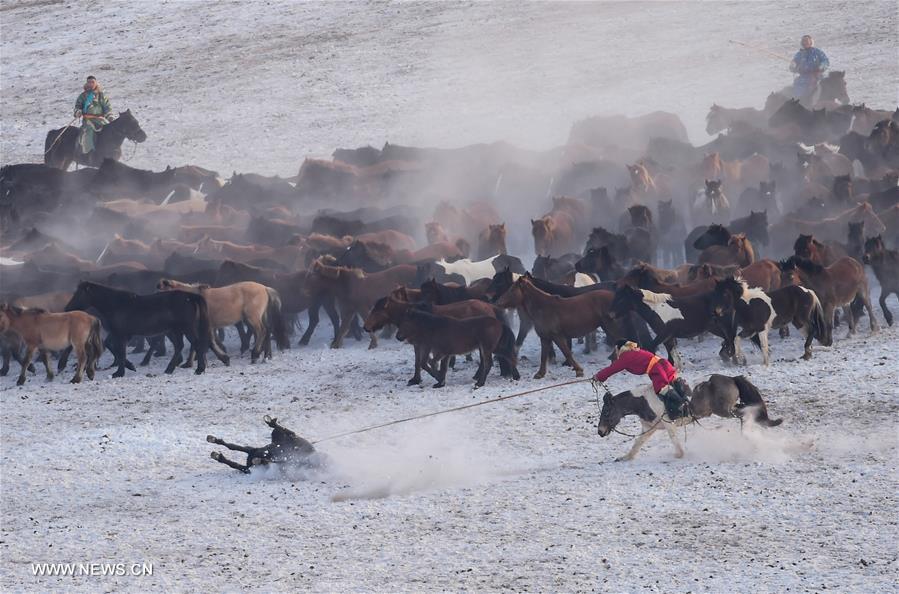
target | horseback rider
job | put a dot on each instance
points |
(672, 390)
(809, 63)
(93, 107)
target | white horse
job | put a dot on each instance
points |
(469, 270)
(720, 395)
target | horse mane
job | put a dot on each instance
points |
(380, 303)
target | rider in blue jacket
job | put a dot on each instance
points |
(809, 63)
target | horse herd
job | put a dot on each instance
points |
(730, 239)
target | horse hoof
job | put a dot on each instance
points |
(217, 456)
(414, 381)
(199, 371)
(170, 370)
(579, 373)
(20, 381)
(75, 380)
(186, 366)
(438, 385)
(211, 439)
(539, 375)
(118, 374)
(226, 360)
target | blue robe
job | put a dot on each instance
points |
(808, 64)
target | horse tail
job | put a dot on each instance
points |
(275, 320)
(203, 327)
(506, 351)
(94, 345)
(817, 323)
(750, 396)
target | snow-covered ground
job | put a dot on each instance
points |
(520, 495)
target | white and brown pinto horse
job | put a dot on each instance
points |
(720, 395)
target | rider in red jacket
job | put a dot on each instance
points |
(661, 372)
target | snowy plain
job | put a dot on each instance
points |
(521, 495)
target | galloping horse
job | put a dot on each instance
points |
(108, 146)
(720, 395)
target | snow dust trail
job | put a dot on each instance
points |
(419, 457)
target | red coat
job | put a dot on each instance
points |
(637, 362)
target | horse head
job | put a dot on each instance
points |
(714, 235)
(501, 282)
(129, 126)
(874, 248)
(615, 408)
(834, 87)
(715, 120)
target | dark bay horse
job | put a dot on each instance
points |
(886, 268)
(124, 314)
(108, 144)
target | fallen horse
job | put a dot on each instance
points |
(286, 447)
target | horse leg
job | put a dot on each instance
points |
(806, 330)
(649, 429)
(244, 337)
(416, 376)
(672, 435)
(784, 331)
(26, 361)
(484, 368)
(217, 349)
(81, 353)
(178, 345)
(45, 359)
(258, 339)
(7, 356)
(887, 314)
(63, 359)
(763, 341)
(850, 319)
(346, 318)
(545, 345)
(120, 344)
(866, 297)
(372, 340)
(441, 374)
(219, 457)
(565, 347)
(524, 326)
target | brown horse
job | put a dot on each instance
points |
(44, 331)
(738, 251)
(835, 285)
(492, 241)
(356, 291)
(252, 303)
(762, 274)
(825, 254)
(558, 319)
(886, 268)
(392, 309)
(435, 233)
(644, 277)
(553, 234)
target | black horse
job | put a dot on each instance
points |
(62, 148)
(286, 448)
(124, 314)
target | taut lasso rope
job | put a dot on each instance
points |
(58, 136)
(449, 410)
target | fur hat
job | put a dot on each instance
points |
(622, 346)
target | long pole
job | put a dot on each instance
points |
(763, 50)
(58, 136)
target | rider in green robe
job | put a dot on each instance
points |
(93, 107)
